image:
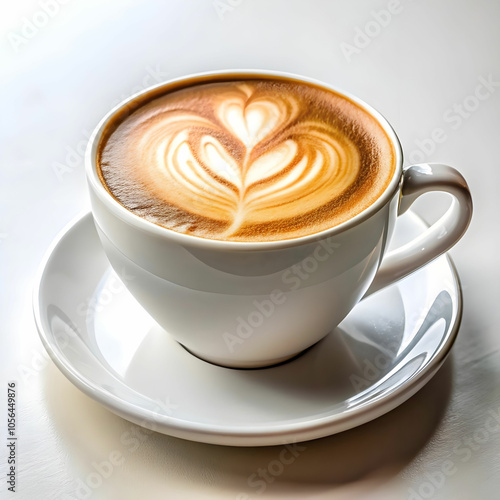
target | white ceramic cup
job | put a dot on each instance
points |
(255, 304)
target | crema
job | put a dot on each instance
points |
(249, 159)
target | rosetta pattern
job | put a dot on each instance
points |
(252, 160)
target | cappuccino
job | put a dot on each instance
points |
(250, 158)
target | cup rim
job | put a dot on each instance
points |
(197, 241)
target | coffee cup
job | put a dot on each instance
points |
(248, 292)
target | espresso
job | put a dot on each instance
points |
(249, 159)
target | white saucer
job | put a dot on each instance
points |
(390, 345)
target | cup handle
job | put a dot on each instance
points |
(440, 236)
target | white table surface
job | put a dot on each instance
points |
(61, 72)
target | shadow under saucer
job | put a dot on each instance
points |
(357, 459)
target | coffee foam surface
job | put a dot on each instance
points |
(249, 160)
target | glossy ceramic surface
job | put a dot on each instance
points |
(240, 304)
(388, 347)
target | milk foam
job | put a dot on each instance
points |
(247, 160)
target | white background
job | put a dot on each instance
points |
(62, 73)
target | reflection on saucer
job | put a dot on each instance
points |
(388, 347)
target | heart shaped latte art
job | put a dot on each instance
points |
(245, 159)
(250, 161)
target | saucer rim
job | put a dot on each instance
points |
(269, 435)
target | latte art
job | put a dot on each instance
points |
(247, 160)
(249, 165)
